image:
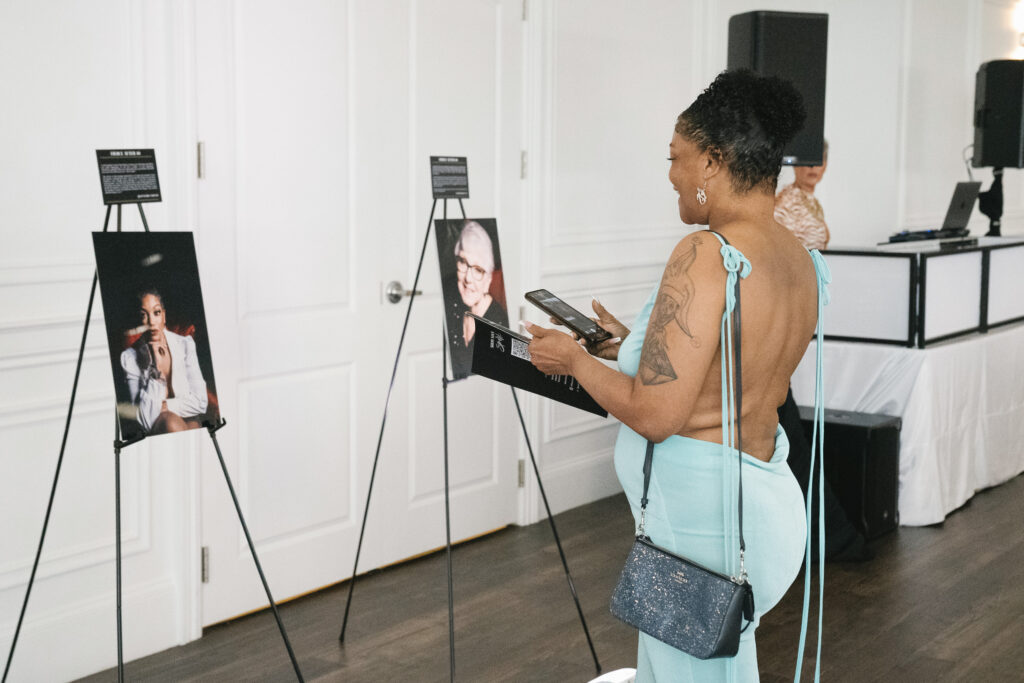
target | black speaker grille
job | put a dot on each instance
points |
(999, 114)
(793, 46)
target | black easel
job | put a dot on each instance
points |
(118, 445)
(445, 381)
(212, 429)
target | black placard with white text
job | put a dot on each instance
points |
(128, 176)
(449, 177)
(502, 355)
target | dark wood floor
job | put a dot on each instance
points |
(941, 603)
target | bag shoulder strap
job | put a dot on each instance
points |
(738, 267)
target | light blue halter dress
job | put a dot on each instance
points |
(692, 508)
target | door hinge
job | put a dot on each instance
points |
(524, 9)
(522, 165)
(522, 473)
(200, 160)
(204, 570)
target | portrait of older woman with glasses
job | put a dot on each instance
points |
(471, 283)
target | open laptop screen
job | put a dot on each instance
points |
(961, 205)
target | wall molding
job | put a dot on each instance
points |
(51, 410)
(612, 234)
(86, 649)
(242, 479)
(637, 269)
(578, 481)
(73, 558)
(136, 534)
(417, 498)
(50, 324)
(583, 423)
(27, 361)
(39, 272)
(245, 271)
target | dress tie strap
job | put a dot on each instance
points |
(824, 274)
(735, 263)
(824, 277)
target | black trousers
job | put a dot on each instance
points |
(839, 532)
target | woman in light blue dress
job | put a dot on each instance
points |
(725, 155)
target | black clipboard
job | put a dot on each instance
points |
(503, 355)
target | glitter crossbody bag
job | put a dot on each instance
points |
(678, 601)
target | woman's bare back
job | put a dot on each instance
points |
(779, 314)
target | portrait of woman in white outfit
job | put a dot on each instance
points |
(165, 384)
(160, 359)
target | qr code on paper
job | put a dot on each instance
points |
(520, 349)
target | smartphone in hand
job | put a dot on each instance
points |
(568, 316)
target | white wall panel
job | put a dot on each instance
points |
(1001, 24)
(588, 475)
(290, 423)
(81, 531)
(859, 284)
(943, 47)
(472, 452)
(938, 116)
(1004, 300)
(376, 87)
(952, 294)
(564, 421)
(40, 382)
(62, 57)
(89, 619)
(860, 192)
(614, 108)
(292, 155)
(442, 81)
(443, 76)
(607, 215)
(78, 77)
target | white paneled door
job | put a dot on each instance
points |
(316, 121)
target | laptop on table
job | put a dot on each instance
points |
(957, 215)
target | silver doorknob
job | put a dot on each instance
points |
(394, 291)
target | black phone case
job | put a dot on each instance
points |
(601, 335)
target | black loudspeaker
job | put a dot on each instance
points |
(999, 114)
(792, 46)
(862, 465)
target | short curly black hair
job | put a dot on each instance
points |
(745, 120)
(147, 290)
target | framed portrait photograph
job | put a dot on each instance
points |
(471, 283)
(156, 332)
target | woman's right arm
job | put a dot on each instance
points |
(681, 344)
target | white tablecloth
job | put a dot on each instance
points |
(962, 405)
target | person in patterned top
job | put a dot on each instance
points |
(798, 209)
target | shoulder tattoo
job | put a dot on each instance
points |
(672, 307)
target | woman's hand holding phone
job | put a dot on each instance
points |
(609, 348)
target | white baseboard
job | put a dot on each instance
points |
(579, 482)
(81, 638)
